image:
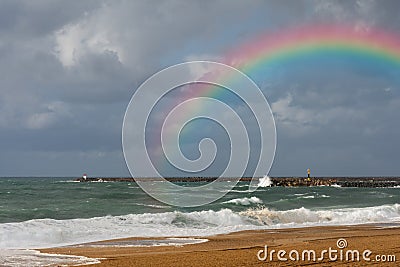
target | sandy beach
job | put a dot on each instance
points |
(375, 245)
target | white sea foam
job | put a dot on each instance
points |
(49, 233)
(153, 206)
(33, 258)
(306, 197)
(306, 217)
(239, 191)
(324, 196)
(245, 201)
(264, 182)
(172, 241)
(242, 185)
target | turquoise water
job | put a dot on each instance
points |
(47, 212)
(60, 198)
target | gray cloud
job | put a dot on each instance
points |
(69, 69)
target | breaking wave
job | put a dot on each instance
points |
(306, 217)
(49, 232)
(244, 201)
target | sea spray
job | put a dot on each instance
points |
(265, 182)
(306, 217)
(49, 232)
(245, 201)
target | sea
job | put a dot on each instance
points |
(52, 212)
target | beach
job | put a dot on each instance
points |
(199, 133)
(241, 248)
(140, 231)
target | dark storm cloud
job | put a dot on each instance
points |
(69, 68)
(30, 19)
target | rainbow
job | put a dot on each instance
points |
(270, 49)
(267, 49)
(375, 46)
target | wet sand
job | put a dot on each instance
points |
(241, 248)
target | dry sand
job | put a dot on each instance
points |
(241, 248)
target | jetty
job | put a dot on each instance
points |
(275, 181)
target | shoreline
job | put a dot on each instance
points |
(241, 248)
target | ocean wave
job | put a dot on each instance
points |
(40, 233)
(241, 185)
(305, 196)
(153, 206)
(307, 217)
(265, 182)
(238, 191)
(244, 201)
(33, 258)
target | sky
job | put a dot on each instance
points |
(68, 70)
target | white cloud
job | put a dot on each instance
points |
(299, 120)
(53, 112)
(360, 13)
(40, 120)
(74, 41)
(140, 33)
(55, 56)
(330, 8)
(198, 70)
(288, 114)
